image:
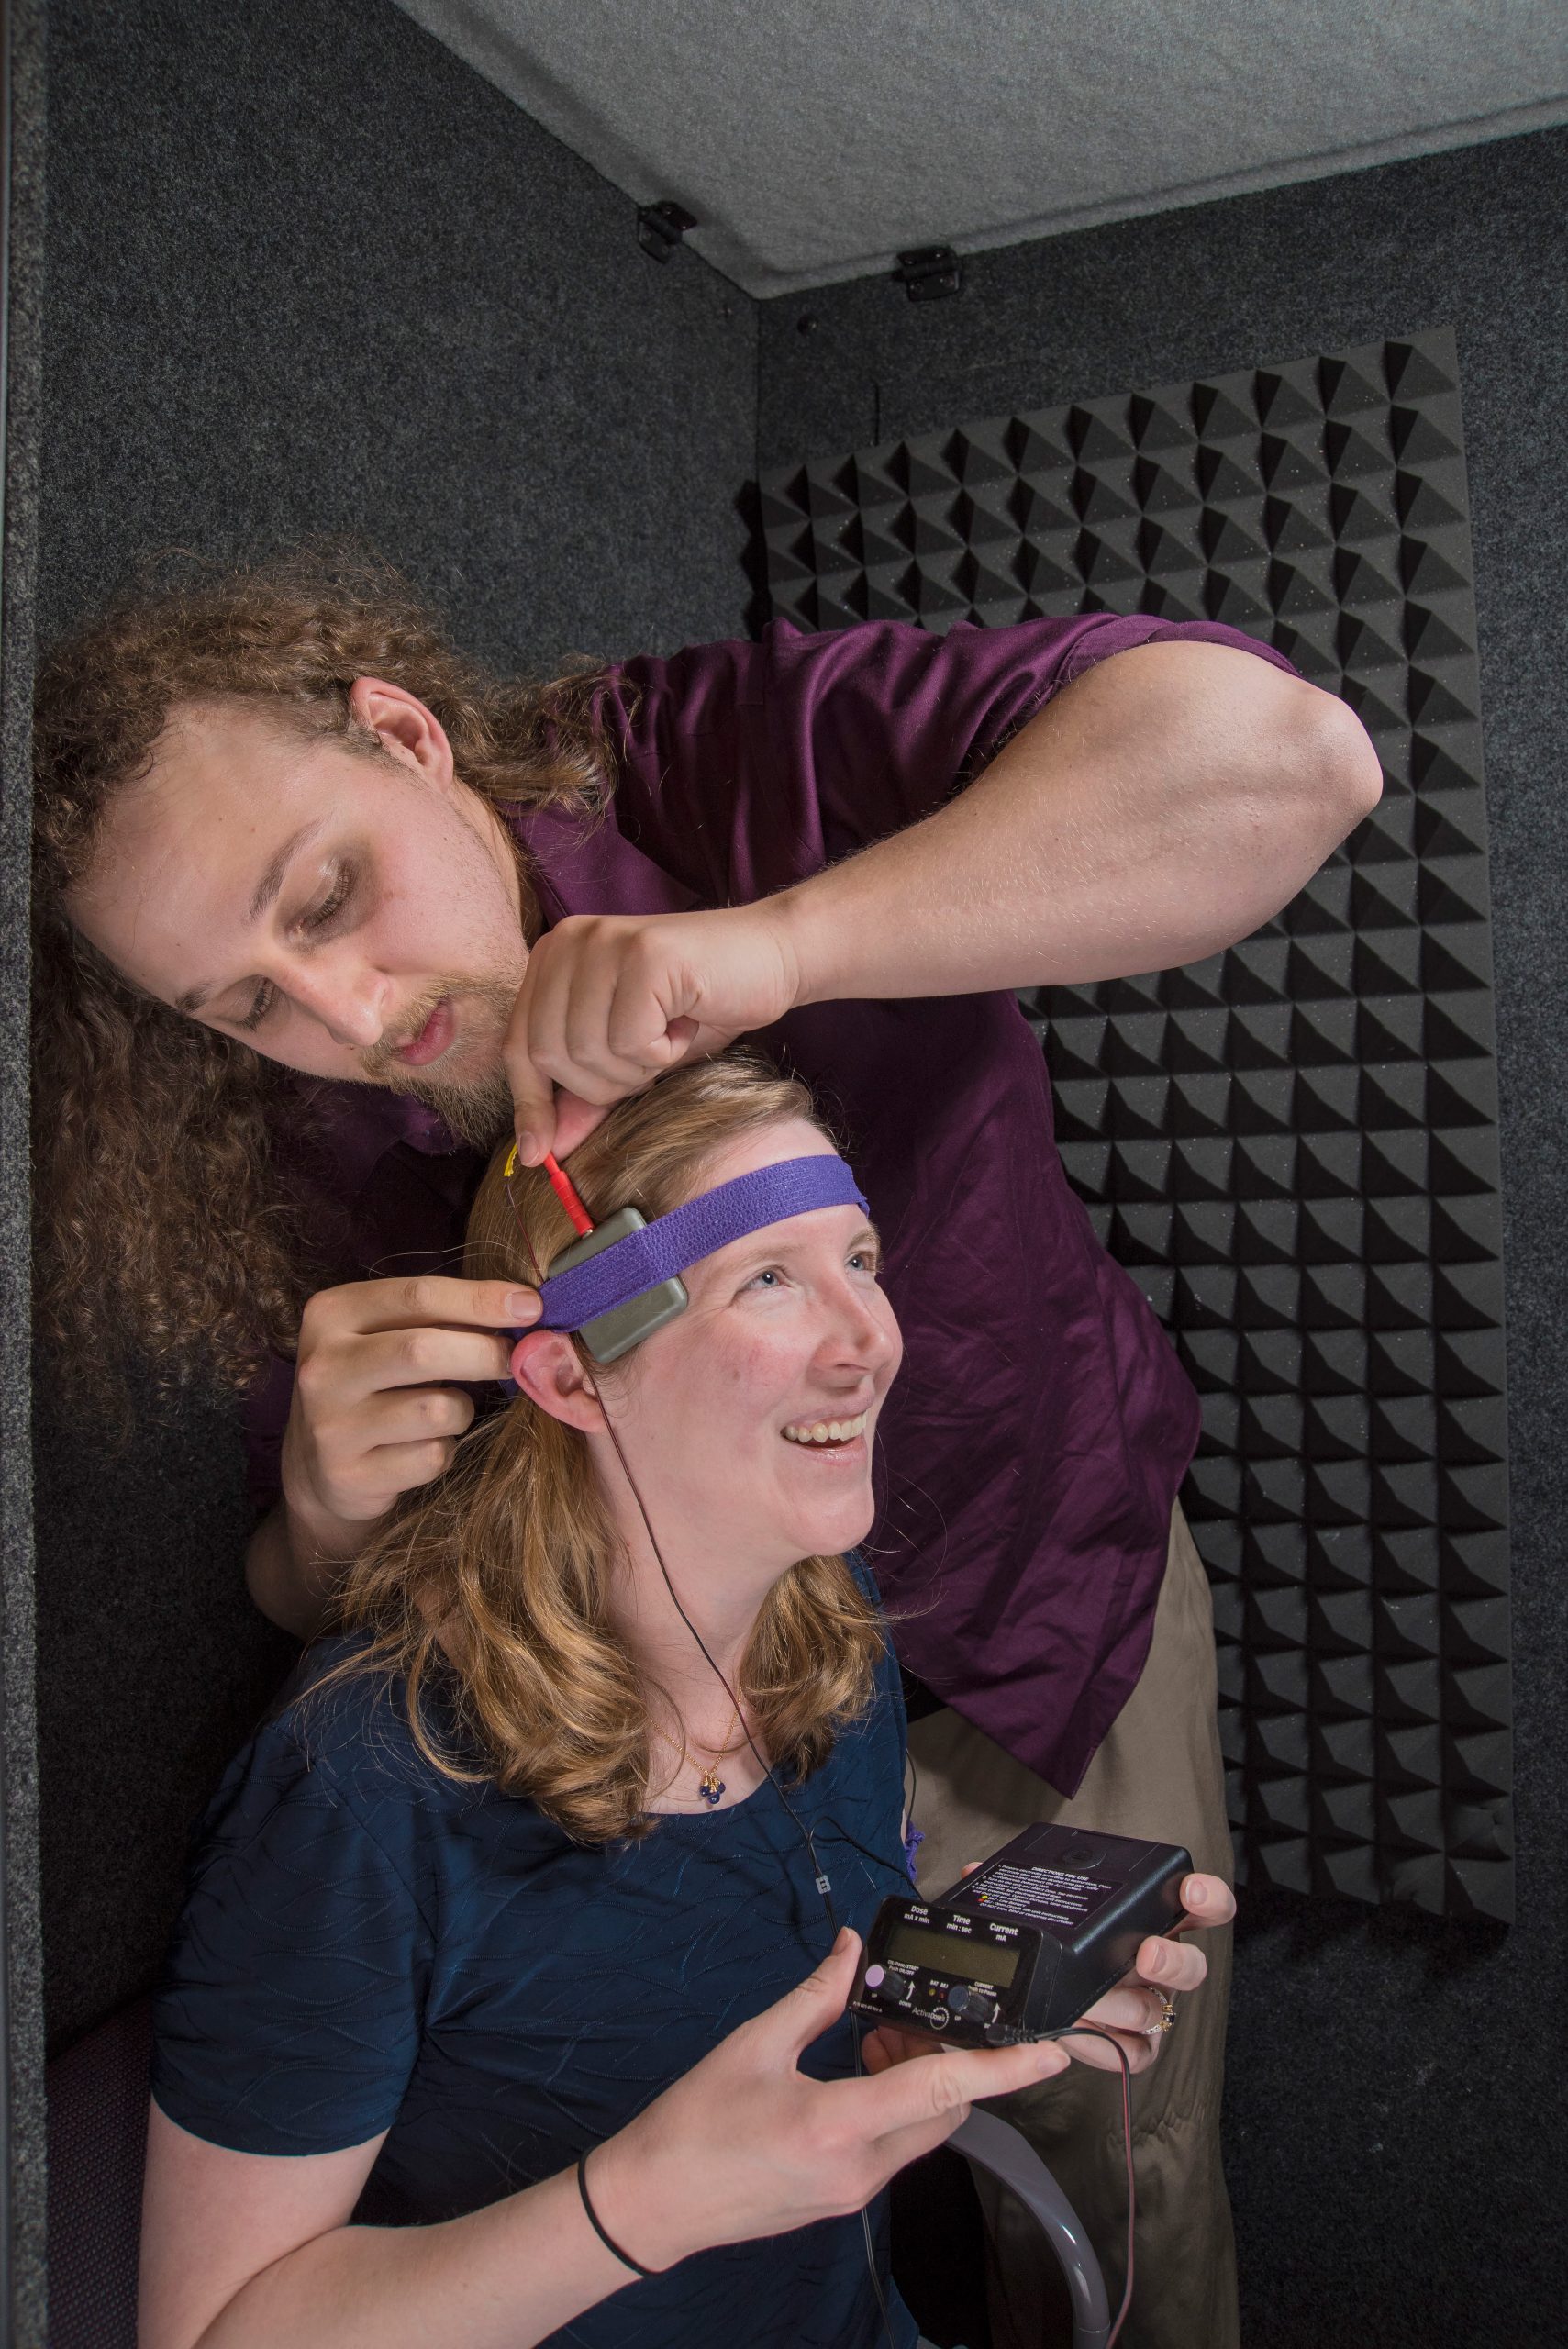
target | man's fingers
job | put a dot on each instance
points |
(533, 1111)
(413, 1415)
(427, 1357)
(429, 1301)
(576, 1119)
(394, 1468)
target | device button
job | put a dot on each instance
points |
(938, 2018)
(874, 1977)
(1083, 1853)
(978, 2005)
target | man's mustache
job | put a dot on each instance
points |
(380, 1062)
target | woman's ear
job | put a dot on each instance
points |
(545, 1366)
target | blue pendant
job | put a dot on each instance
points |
(710, 1786)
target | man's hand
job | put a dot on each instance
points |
(376, 1409)
(609, 1001)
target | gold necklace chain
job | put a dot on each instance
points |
(710, 1785)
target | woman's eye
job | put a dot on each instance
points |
(770, 1278)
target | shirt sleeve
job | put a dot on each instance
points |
(745, 766)
(289, 2016)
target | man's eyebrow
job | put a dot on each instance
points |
(272, 880)
(262, 897)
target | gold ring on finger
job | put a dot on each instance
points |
(1167, 2016)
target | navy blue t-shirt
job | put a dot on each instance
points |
(367, 1945)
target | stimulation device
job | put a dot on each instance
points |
(1025, 1945)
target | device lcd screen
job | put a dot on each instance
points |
(946, 1953)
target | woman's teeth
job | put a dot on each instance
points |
(826, 1430)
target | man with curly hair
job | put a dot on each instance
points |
(322, 907)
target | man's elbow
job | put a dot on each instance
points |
(1340, 774)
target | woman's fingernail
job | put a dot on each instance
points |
(523, 1303)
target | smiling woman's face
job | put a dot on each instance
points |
(348, 914)
(789, 1331)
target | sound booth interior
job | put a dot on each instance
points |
(536, 303)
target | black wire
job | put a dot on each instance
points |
(879, 1859)
(1094, 2030)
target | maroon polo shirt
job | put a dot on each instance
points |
(1032, 1445)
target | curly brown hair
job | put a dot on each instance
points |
(494, 1583)
(170, 1234)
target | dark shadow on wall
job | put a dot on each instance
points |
(156, 1667)
(306, 274)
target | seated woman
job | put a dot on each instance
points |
(527, 1866)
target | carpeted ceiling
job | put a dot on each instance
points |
(815, 139)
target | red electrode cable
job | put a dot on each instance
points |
(560, 1184)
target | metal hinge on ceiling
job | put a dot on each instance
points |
(661, 227)
(930, 273)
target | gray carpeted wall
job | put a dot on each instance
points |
(307, 272)
(21, 1954)
(1393, 2116)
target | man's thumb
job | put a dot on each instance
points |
(533, 1113)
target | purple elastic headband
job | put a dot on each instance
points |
(672, 1242)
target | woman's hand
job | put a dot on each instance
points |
(1133, 2013)
(746, 2145)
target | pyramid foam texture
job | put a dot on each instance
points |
(1293, 1145)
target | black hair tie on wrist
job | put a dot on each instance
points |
(608, 2241)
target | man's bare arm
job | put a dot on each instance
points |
(289, 1577)
(1159, 807)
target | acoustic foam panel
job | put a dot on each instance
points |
(1291, 1145)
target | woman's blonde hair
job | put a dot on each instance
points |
(491, 1587)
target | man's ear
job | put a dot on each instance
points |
(404, 728)
(545, 1366)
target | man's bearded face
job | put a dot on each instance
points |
(350, 912)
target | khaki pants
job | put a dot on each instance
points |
(1158, 1775)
